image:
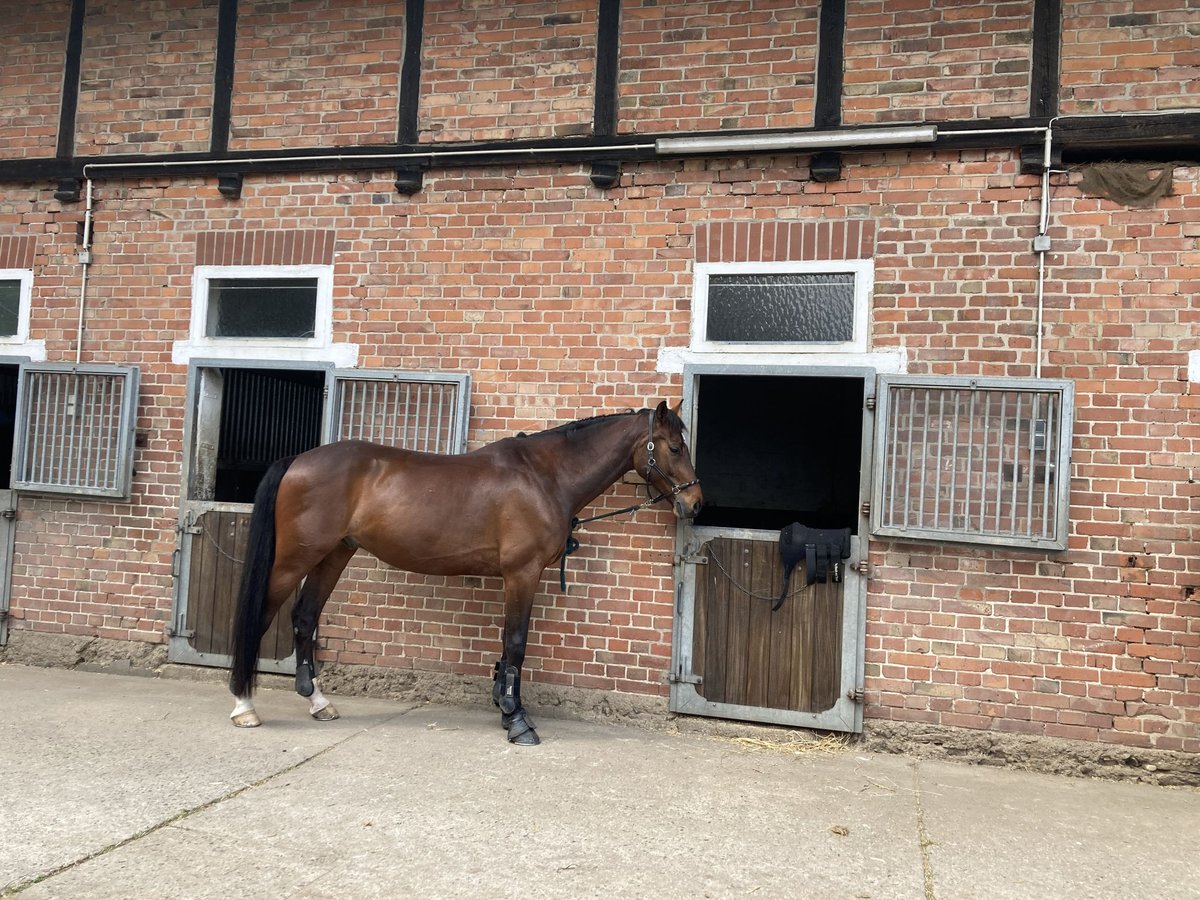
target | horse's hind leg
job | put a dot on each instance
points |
(317, 588)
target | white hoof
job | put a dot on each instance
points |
(247, 719)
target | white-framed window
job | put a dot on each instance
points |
(16, 289)
(279, 306)
(973, 460)
(782, 307)
(280, 313)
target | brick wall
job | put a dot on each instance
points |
(557, 298)
(31, 78)
(316, 73)
(1121, 57)
(495, 70)
(146, 77)
(695, 66)
(924, 61)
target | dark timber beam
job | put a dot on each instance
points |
(1047, 44)
(222, 105)
(70, 90)
(831, 64)
(410, 176)
(608, 66)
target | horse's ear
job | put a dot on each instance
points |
(660, 412)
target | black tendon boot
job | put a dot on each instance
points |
(506, 693)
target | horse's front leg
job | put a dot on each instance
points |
(506, 688)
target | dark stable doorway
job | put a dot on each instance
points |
(8, 421)
(265, 415)
(773, 450)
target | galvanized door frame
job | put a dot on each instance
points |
(179, 649)
(847, 713)
(8, 534)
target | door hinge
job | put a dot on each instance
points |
(681, 678)
(856, 696)
(865, 509)
(9, 514)
(870, 404)
(690, 559)
(862, 567)
(185, 633)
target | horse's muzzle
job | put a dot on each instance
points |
(688, 509)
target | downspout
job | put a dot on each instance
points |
(85, 260)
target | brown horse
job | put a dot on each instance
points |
(506, 509)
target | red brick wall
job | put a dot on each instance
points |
(146, 77)
(31, 77)
(316, 73)
(494, 70)
(557, 297)
(1123, 57)
(925, 61)
(693, 66)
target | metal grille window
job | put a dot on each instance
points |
(75, 429)
(416, 411)
(782, 306)
(973, 460)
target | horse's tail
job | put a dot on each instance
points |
(248, 623)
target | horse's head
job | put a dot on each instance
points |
(665, 462)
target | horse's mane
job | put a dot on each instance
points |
(571, 428)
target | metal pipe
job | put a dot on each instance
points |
(85, 260)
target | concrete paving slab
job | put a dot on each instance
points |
(999, 834)
(89, 760)
(120, 787)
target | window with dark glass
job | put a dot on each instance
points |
(261, 308)
(10, 306)
(781, 308)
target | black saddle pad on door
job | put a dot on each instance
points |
(820, 548)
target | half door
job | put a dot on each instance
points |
(774, 447)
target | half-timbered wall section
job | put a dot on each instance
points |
(490, 199)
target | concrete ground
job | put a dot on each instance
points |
(126, 787)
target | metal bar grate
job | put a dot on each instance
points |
(972, 462)
(76, 431)
(415, 414)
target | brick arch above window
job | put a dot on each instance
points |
(276, 247)
(17, 251)
(731, 242)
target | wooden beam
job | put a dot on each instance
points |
(831, 63)
(1047, 47)
(222, 105)
(70, 92)
(608, 65)
(409, 125)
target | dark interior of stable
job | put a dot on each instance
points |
(773, 450)
(266, 414)
(8, 418)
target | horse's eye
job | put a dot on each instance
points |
(674, 449)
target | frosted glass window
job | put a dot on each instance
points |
(795, 307)
(262, 308)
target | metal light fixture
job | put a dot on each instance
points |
(797, 140)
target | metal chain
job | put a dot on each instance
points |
(213, 541)
(741, 587)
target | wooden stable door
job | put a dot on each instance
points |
(749, 654)
(214, 547)
(738, 658)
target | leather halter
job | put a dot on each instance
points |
(651, 466)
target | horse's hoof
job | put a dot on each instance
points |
(520, 729)
(325, 714)
(247, 719)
